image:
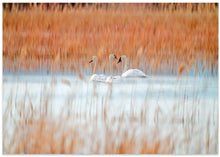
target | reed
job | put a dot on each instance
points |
(163, 35)
(36, 131)
(181, 69)
(158, 38)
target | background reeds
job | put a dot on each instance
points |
(63, 37)
(157, 38)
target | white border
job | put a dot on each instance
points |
(1, 62)
(97, 1)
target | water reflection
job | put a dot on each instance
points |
(94, 89)
(110, 86)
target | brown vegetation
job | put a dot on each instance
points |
(33, 129)
(64, 38)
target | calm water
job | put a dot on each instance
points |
(172, 97)
(163, 91)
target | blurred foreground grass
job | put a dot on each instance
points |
(98, 127)
(172, 38)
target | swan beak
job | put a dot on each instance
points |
(119, 60)
(91, 61)
(115, 57)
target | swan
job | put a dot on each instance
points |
(112, 78)
(96, 77)
(131, 72)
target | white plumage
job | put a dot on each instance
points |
(101, 77)
(131, 72)
(111, 79)
(134, 73)
(98, 78)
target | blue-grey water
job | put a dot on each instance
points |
(175, 99)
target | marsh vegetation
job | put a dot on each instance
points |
(51, 107)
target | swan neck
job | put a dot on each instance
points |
(111, 66)
(125, 65)
(94, 68)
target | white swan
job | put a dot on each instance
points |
(112, 78)
(96, 77)
(130, 72)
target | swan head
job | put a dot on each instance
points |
(119, 60)
(94, 59)
(112, 56)
(122, 58)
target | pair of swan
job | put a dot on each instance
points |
(101, 77)
(126, 73)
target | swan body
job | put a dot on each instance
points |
(96, 77)
(111, 79)
(131, 72)
(101, 77)
(134, 73)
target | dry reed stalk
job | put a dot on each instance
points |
(57, 58)
(181, 69)
(156, 64)
(66, 82)
(191, 62)
(138, 56)
(132, 28)
(23, 52)
(81, 77)
(196, 70)
(153, 148)
(207, 135)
